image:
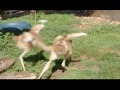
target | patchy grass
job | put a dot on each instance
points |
(99, 52)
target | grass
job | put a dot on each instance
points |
(99, 52)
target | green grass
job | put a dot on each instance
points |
(101, 48)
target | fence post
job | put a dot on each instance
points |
(10, 13)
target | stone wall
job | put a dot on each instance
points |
(113, 15)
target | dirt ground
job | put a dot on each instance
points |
(87, 22)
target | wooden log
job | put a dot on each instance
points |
(18, 75)
(6, 63)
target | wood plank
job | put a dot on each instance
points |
(18, 75)
(6, 63)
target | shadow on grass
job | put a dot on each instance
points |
(58, 66)
(36, 57)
